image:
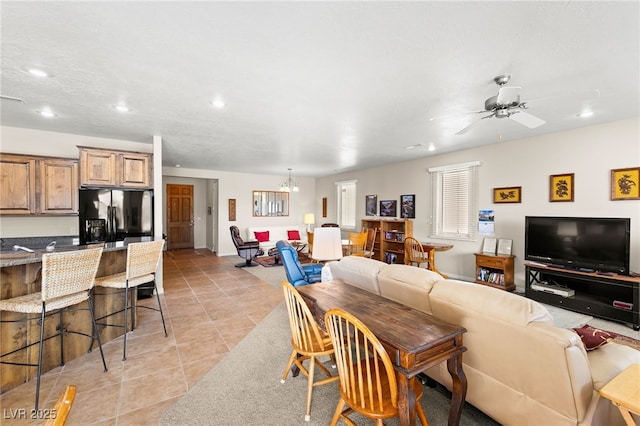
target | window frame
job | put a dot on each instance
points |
(351, 186)
(438, 176)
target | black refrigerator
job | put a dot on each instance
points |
(108, 215)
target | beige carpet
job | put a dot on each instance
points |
(244, 388)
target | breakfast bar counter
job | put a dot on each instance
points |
(20, 274)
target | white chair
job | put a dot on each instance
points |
(142, 262)
(327, 244)
(67, 280)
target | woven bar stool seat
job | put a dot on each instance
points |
(67, 280)
(142, 262)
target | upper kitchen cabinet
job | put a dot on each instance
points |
(38, 185)
(58, 186)
(17, 184)
(109, 168)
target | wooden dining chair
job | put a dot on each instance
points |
(62, 407)
(310, 243)
(309, 342)
(414, 253)
(367, 378)
(357, 243)
(369, 249)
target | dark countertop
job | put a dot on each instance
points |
(14, 258)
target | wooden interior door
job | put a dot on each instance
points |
(179, 216)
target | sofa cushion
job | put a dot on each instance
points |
(408, 285)
(262, 236)
(358, 271)
(490, 301)
(593, 338)
(609, 361)
(293, 235)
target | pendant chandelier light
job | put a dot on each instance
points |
(289, 185)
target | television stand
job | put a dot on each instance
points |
(611, 297)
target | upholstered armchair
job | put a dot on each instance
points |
(247, 250)
(297, 274)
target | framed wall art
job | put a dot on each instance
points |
(561, 187)
(408, 206)
(232, 209)
(324, 207)
(371, 203)
(512, 194)
(389, 208)
(625, 184)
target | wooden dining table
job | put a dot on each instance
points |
(432, 248)
(414, 340)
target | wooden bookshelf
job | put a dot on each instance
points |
(389, 245)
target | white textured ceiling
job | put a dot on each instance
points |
(320, 87)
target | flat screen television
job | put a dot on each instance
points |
(588, 243)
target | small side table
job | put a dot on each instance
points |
(624, 391)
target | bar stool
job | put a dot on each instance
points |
(67, 280)
(142, 262)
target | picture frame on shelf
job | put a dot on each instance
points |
(408, 206)
(504, 246)
(371, 205)
(561, 187)
(489, 245)
(625, 184)
(509, 194)
(389, 208)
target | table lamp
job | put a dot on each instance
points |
(309, 219)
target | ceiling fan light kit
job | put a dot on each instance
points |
(506, 104)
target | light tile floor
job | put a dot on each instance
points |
(209, 306)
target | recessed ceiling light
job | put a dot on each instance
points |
(37, 72)
(178, 165)
(122, 108)
(218, 102)
(47, 113)
(431, 147)
(585, 114)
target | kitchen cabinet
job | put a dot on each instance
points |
(17, 185)
(38, 185)
(58, 186)
(109, 168)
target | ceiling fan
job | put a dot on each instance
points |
(506, 104)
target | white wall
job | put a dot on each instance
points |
(240, 187)
(589, 152)
(36, 142)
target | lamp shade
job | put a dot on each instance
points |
(309, 218)
(327, 244)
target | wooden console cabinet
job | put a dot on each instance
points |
(38, 185)
(495, 271)
(122, 169)
(389, 246)
(598, 295)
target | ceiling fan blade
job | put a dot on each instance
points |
(466, 129)
(11, 98)
(454, 115)
(508, 95)
(526, 119)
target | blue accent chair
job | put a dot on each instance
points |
(297, 274)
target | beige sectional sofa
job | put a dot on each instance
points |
(521, 369)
